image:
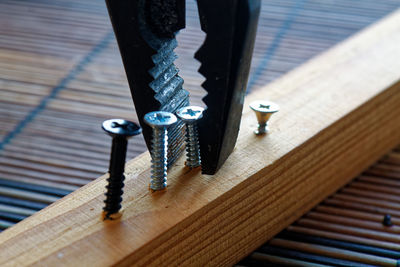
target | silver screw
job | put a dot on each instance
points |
(159, 121)
(264, 111)
(189, 115)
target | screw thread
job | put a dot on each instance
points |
(159, 151)
(262, 128)
(114, 194)
(193, 159)
(116, 179)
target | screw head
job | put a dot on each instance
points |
(264, 106)
(159, 119)
(264, 111)
(120, 127)
(190, 113)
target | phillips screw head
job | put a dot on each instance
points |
(160, 119)
(264, 111)
(190, 114)
(122, 128)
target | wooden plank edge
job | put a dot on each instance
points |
(340, 113)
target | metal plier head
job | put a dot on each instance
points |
(145, 31)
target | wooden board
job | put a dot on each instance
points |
(339, 113)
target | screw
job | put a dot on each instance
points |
(120, 130)
(159, 121)
(387, 220)
(264, 111)
(190, 115)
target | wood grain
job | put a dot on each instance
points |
(339, 113)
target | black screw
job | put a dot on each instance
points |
(120, 130)
(387, 220)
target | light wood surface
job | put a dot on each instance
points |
(339, 113)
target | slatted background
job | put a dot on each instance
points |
(61, 75)
(347, 228)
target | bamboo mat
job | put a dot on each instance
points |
(61, 75)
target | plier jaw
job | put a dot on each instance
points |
(230, 27)
(145, 31)
(165, 18)
(147, 50)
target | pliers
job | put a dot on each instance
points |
(146, 30)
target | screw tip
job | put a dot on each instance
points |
(106, 216)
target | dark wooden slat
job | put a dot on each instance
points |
(350, 222)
